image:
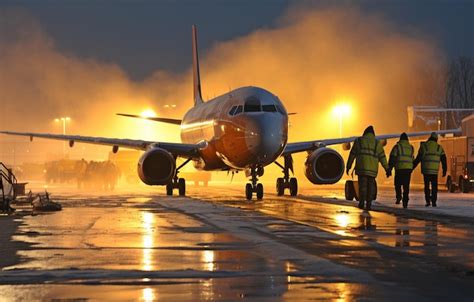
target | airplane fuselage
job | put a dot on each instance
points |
(246, 127)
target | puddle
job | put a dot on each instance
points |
(129, 239)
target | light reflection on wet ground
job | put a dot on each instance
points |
(386, 245)
(423, 237)
(126, 237)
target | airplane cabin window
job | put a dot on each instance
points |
(238, 110)
(232, 110)
(252, 104)
(269, 108)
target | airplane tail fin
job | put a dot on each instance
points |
(196, 76)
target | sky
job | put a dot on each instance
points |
(144, 36)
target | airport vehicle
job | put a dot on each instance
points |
(460, 157)
(244, 129)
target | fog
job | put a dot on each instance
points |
(313, 59)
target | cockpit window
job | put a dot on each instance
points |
(269, 108)
(252, 104)
(279, 109)
(238, 110)
(232, 110)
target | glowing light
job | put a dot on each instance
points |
(63, 119)
(343, 292)
(148, 220)
(342, 110)
(342, 220)
(148, 113)
(208, 259)
(148, 294)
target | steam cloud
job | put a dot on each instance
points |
(312, 59)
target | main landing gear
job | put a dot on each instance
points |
(286, 182)
(177, 183)
(253, 186)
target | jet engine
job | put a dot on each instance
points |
(156, 167)
(324, 166)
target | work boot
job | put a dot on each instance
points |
(368, 205)
(361, 205)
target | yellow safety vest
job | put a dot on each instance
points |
(368, 151)
(430, 157)
(403, 152)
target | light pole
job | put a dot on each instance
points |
(64, 120)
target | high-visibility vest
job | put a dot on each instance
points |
(403, 153)
(369, 152)
(430, 157)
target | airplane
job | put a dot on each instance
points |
(244, 129)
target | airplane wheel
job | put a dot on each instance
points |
(248, 191)
(169, 189)
(293, 186)
(259, 191)
(182, 187)
(280, 188)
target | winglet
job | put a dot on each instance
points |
(196, 75)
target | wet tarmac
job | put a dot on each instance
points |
(214, 245)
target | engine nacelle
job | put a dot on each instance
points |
(324, 166)
(156, 167)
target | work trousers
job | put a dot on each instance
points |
(402, 181)
(431, 195)
(367, 188)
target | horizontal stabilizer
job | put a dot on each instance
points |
(155, 119)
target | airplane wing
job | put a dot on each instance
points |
(178, 149)
(312, 145)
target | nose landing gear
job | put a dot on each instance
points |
(253, 186)
(286, 182)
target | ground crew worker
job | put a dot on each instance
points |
(401, 158)
(367, 152)
(430, 154)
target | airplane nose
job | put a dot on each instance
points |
(267, 137)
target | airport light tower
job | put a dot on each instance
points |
(64, 120)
